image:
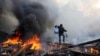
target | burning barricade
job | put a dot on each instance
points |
(15, 46)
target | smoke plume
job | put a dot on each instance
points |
(81, 19)
(27, 16)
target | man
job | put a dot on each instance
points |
(61, 33)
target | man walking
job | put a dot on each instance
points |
(61, 33)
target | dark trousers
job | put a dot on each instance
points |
(60, 38)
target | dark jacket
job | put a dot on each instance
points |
(61, 30)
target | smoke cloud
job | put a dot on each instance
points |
(81, 19)
(8, 21)
(27, 16)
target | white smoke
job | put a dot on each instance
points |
(81, 18)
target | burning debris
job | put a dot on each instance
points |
(26, 21)
(35, 42)
(33, 46)
(83, 49)
(15, 45)
(16, 40)
(32, 20)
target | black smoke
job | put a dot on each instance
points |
(33, 18)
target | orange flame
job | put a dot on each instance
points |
(14, 40)
(94, 51)
(35, 42)
(91, 50)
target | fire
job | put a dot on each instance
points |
(94, 51)
(14, 40)
(35, 42)
(91, 50)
